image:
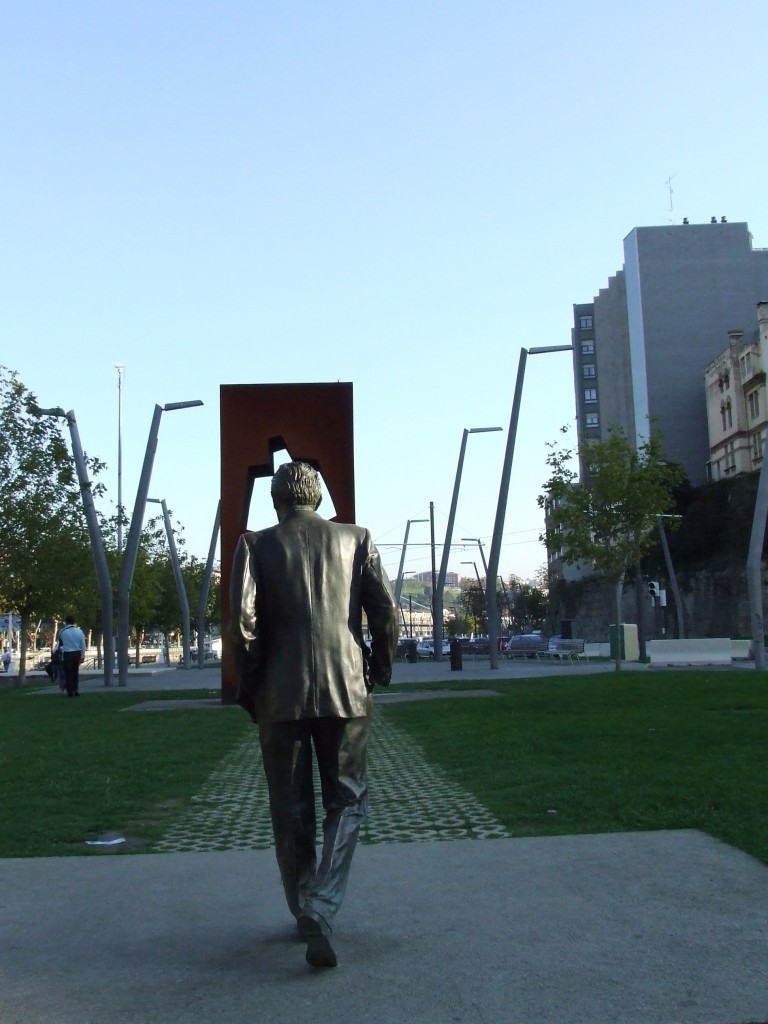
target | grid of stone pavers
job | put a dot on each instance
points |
(410, 801)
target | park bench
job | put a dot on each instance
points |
(565, 650)
(525, 651)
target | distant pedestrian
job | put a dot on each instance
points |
(6, 659)
(72, 644)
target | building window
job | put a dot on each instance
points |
(746, 365)
(592, 419)
(730, 458)
(590, 394)
(589, 370)
(587, 348)
(726, 414)
(585, 323)
(757, 446)
(753, 402)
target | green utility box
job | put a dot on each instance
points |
(630, 648)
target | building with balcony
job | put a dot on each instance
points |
(735, 391)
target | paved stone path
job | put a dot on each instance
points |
(410, 801)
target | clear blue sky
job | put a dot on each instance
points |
(397, 194)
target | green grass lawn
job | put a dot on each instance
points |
(604, 753)
(610, 753)
(72, 770)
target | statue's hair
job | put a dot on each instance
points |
(296, 483)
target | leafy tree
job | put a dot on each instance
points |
(44, 532)
(193, 571)
(608, 518)
(527, 605)
(473, 606)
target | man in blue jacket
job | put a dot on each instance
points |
(72, 646)
(299, 591)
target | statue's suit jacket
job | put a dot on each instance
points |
(299, 590)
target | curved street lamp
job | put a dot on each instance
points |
(128, 561)
(399, 580)
(440, 585)
(501, 511)
(94, 532)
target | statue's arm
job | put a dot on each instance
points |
(379, 605)
(243, 625)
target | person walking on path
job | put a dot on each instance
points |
(72, 645)
(299, 590)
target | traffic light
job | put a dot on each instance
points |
(653, 588)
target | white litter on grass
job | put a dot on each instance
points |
(103, 842)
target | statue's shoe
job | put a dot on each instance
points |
(320, 952)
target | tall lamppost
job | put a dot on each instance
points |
(120, 367)
(485, 566)
(672, 575)
(399, 581)
(205, 587)
(501, 510)
(479, 586)
(94, 533)
(440, 585)
(128, 561)
(476, 540)
(401, 611)
(477, 574)
(181, 590)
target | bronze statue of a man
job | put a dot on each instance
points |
(299, 590)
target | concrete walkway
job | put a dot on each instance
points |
(641, 928)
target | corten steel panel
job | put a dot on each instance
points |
(313, 422)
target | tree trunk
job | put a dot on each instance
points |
(618, 589)
(23, 647)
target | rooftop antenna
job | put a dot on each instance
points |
(668, 183)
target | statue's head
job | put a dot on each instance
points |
(296, 483)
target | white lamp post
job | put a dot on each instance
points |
(128, 561)
(501, 510)
(440, 585)
(399, 580)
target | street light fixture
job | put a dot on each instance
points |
(399, 580)
(476, 540)
(440, 585)
(128, 561)
(94, 532)
(501, 511)
(479, 581)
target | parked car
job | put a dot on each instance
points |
(426, 648)
(528, 644)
